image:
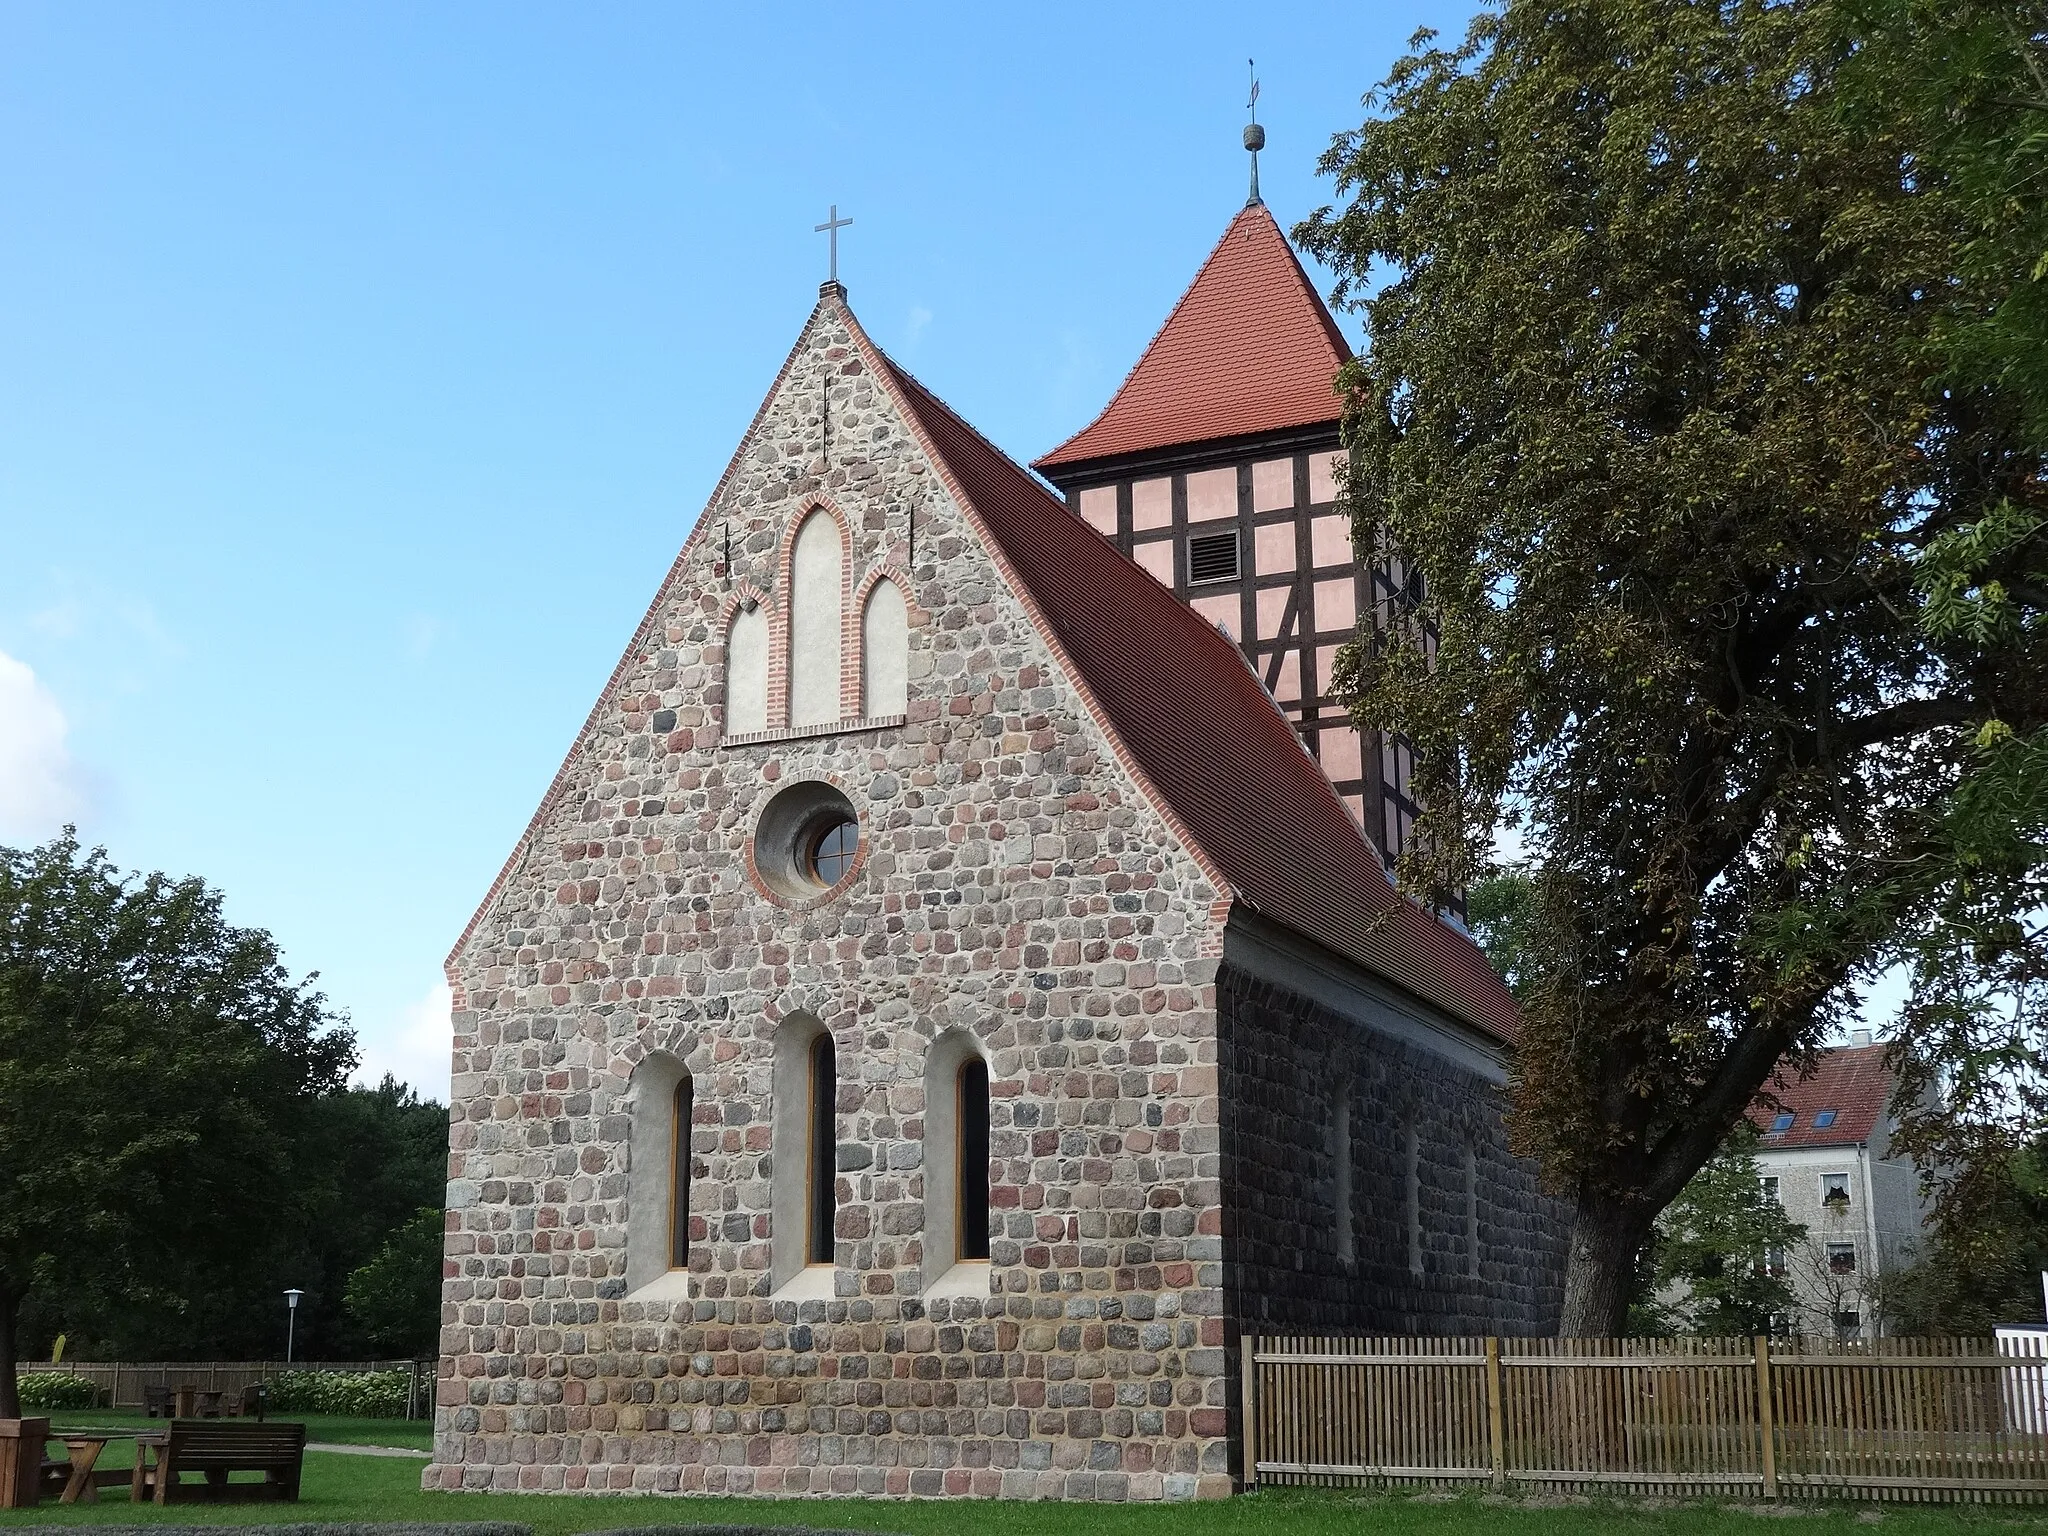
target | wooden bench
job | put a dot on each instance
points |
(214, 1448)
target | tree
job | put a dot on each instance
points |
(395, 1299)
(1984, 1263)
(1729, 574)
(1500, 911)
(1718, 1254)
(152, 1060)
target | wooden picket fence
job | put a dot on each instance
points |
(1914, 1419)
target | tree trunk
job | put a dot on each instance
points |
(10, 1322)
(1600, 1272)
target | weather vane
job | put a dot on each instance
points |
(1254, 135)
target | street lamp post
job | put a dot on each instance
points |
(291, 1319)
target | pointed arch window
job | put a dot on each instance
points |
(957, 1152)
(660, 1105)
(817, 566)
(746, 672)
(885, 652)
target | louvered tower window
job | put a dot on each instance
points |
(1212, 557)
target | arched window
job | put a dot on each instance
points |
(816, 565)
(820, 1201)
(660, 1103)
(970, 1233)
(956, 1167)
(681, 1108)
(806, 1083)
(746, 672)
(885, 652)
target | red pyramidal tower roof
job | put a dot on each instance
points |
(1249, 348)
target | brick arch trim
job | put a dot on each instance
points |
(741, 591)
(855, 676)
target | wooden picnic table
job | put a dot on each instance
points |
(83, 1448)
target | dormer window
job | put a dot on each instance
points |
(1783, 1122)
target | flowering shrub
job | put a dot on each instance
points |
(57, 1389)
(352, 1394)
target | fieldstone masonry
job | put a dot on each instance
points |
(1016, 884)
(1450, 1233)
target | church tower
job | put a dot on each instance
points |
(1213, 467)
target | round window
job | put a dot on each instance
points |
(831, 852)
(807, 841)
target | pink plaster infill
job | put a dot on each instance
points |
(1156, 558)
(1273, 548)
(1212, 493)
(1336, 605)
(1272, 605)
(1287, 687)
(1223, 611)
(1151, 504)
(1329, 541)
(1273, 485)
(1340, 754)
(1322, 477)
(1098, 508)
(1326, 659)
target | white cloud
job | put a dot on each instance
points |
(413, 1047)
(920, 317)
(41, 786)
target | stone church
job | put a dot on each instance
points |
(952, 989)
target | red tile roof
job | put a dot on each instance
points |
(1200, 732)
(1852, 1080)
(1249, 348)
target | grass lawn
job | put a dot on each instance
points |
(365, 1488)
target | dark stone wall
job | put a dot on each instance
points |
(1429, 1161)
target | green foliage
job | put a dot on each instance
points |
(152, 1060)
(1707, 1269)
(1500, 911)
(353, 1394)
(1985, 1262)
(395, 1299)
(58, 1389)
(1728, 561)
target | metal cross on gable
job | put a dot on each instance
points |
(832, 225)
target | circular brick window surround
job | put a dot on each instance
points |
(807, 846)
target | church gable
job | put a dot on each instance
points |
(792, 616)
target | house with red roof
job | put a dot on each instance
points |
(951, 990)
(1825, 1155)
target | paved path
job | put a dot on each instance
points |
(369, 1450)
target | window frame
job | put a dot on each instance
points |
(682, 1109)
(970, 1174)
(1846, 1199)
(1215, 541)
(821, 1198)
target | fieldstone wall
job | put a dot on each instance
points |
(1411, 1266)
(1014, 885)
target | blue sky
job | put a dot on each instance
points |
(363, 366)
